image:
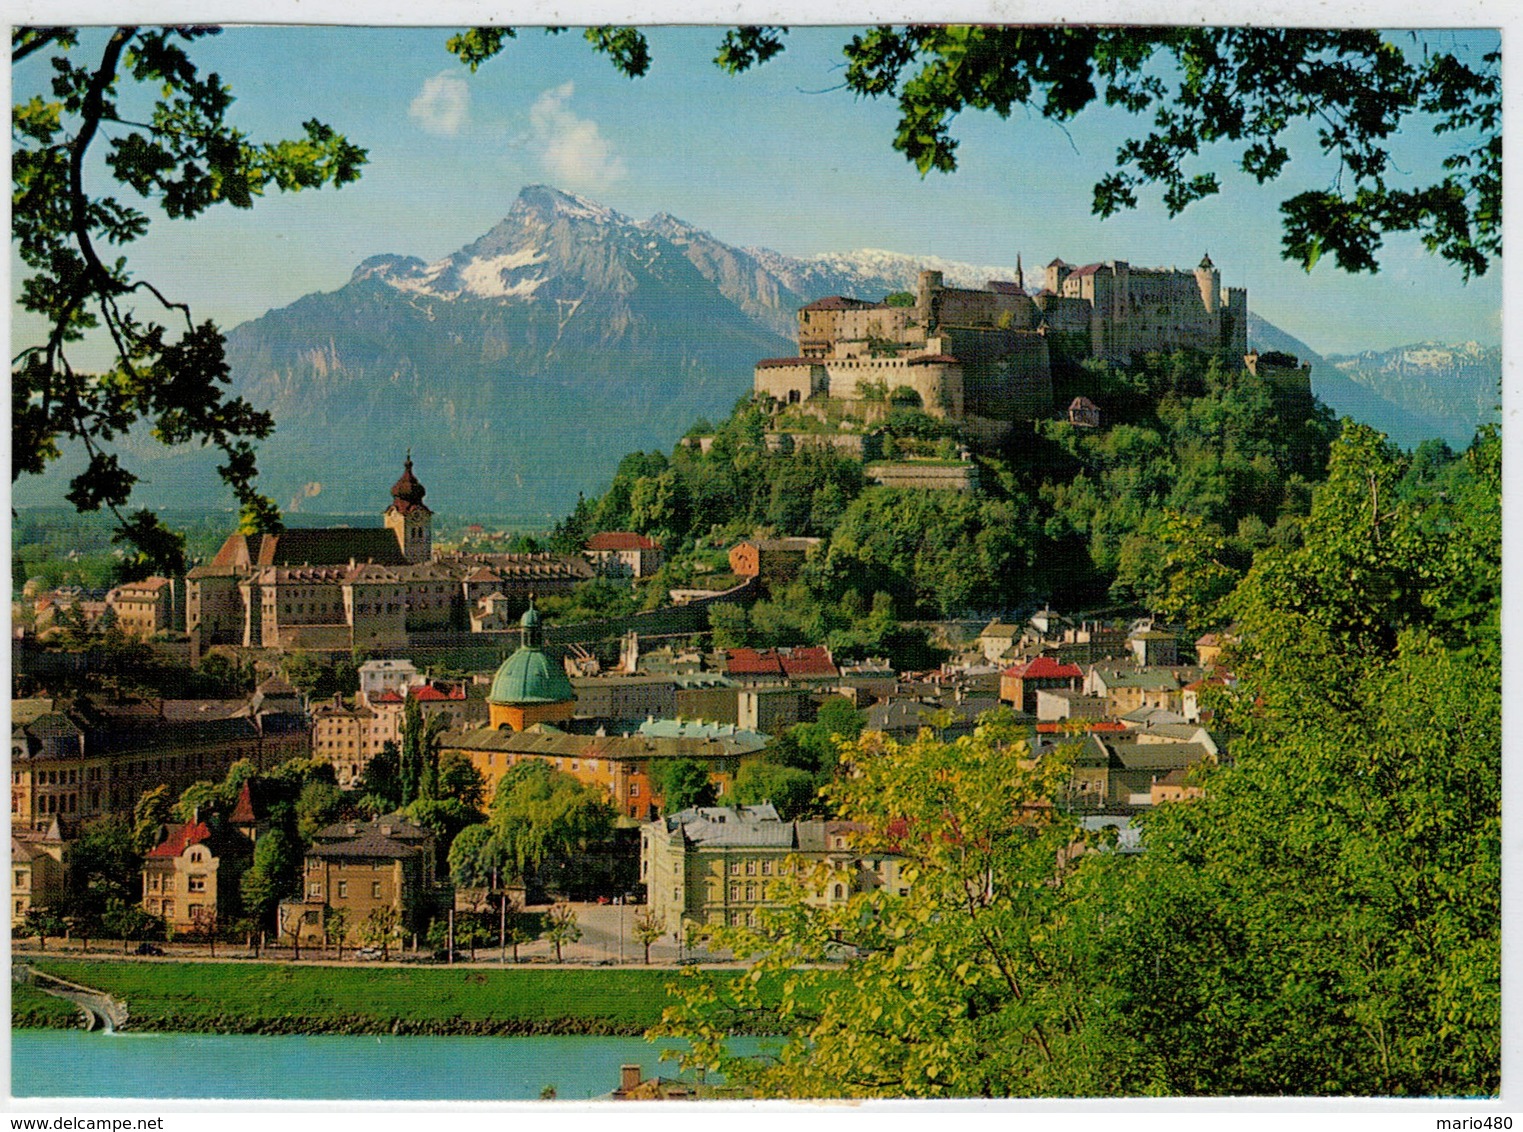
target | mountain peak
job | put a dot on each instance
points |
(546, 202)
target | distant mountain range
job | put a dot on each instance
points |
(521, 368)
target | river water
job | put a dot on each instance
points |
(72, 1063)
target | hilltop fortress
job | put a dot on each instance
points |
(984, 357)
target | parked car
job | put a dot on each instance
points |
(368, 953)
(146, 948)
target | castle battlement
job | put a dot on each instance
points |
(984, 354)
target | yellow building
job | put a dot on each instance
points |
(190, 879)
(717, 865)
(37, 871)
(357, 867)
(623, 766)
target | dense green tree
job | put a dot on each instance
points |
(445, 817)
(150, 815)
(381, 779)
(104, 867)
(539, 814)
(790, 790)
(460, 781)
(729, 625)
(276, 869)
(475, 860)
(319, 804)
(186, 158)
(682, 783)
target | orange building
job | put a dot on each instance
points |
(619, 765)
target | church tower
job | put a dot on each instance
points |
(409, 518)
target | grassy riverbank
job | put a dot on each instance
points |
(33, 1010)
(281, 998)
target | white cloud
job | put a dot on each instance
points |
(572, 149)
(443, 106)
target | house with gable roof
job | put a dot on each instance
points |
(624, 554)
(1020, 683)
(191, 877)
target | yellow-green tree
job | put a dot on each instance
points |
(965, 984)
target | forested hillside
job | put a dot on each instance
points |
(1193, 457)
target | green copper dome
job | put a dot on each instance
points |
(530, 677)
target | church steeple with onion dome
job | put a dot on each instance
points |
(409, 518)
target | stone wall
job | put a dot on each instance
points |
(926, 477)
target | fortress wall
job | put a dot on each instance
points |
(789, 383)
(890, 323)
(926, 477)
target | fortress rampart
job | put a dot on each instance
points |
(985, 355)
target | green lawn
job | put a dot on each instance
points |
(33, 1010)
(252, 997)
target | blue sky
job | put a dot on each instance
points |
(780, 157)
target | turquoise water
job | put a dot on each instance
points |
(71, 1063)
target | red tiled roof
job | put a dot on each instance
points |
(999, 287)
(838, 303)
(181, 838)
(386, 697)
(243, 812)
(1206, 682)
(812, 661)
(427, 693)
(1087, 269)
(775, 363)
(1044, 668)
(749, 662)
(620, 540)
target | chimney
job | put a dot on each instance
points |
(629, 1078)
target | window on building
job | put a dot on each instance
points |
(375, 890)
(750, 868)
(734, 892)
(343, 889)
(750, 892)
(315, 891)
(195, 883)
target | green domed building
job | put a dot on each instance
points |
(530, 687)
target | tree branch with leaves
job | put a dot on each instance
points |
(185, 158)
(1243, 89)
